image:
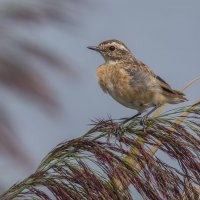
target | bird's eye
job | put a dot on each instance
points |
(111, 48)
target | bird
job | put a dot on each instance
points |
(131, 82)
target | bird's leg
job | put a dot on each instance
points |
(144, 118)
(130, 118)
(119, 128)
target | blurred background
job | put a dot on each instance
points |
(48, 85)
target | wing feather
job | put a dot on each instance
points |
(143, 75)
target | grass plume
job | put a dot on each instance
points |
(91, 167)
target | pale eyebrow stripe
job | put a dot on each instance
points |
(120, 46)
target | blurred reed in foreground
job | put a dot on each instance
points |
(22, 57)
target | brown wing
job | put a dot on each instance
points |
(143, 75)
(173, 96)
(167, 88)
(140, 74)
(164, 85)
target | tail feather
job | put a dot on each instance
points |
(176, 97)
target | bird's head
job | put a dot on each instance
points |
(113, 51)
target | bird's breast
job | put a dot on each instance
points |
(116, 82)
(112, 80)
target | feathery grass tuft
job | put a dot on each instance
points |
(94, 165)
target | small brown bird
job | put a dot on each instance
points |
(131, 82)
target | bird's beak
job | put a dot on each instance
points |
(95, 48)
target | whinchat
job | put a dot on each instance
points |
(131, 82)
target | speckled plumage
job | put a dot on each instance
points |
(131, 82)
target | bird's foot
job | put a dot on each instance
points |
(118, 132)
(143, 121)
(118, 128)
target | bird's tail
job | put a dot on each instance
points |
(177, 97)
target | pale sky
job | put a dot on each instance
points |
(163, 34)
